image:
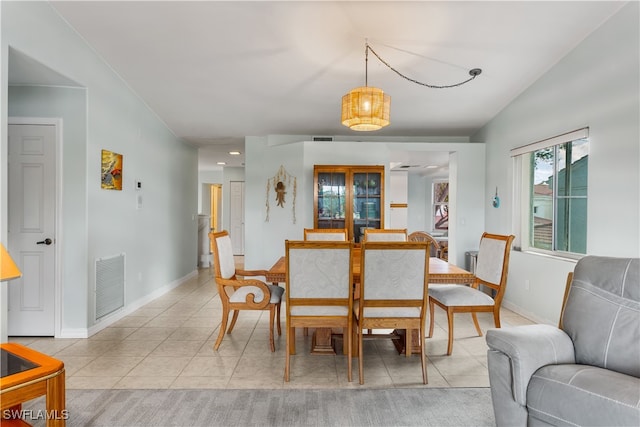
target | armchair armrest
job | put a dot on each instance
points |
(529, 348)
(262, 293)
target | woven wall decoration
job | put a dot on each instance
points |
(284, 185)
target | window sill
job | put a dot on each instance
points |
(573, 258)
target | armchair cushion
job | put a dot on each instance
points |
(598, 396)
(529, 348)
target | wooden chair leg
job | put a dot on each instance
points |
(278, 317)
(223, 327)
(431, 317)
(291, 332)
(407, 342)
(496, 316)
(360, 355)
(233, 320)
(450, 322)
(287, 360)
(272, 314)
(423, 351)
(475, 322)
(348, 331)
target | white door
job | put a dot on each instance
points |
(31, 234)
(236, 216)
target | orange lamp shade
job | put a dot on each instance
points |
(366, 109)
(8, 269)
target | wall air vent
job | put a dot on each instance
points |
(109, 295)
(322, 138)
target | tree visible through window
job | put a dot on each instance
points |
(440, 205)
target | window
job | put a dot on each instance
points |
(553, 177)
(441, 205)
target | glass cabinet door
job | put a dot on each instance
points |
(331, 194)
(367, 188)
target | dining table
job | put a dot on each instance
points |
(440, 271)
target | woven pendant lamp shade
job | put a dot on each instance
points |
(366, 109)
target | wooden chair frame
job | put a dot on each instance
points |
(499, 287)
(318, 321)
(362, 322)
(423, 236)
(226, 288)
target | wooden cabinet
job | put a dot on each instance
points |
(350, 197)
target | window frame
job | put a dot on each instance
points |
(523, 200)
(434, 203)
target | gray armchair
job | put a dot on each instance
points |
(587, 371)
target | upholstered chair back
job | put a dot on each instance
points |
(394, 273)
(319, 273)
(491, 259)
(385, 235)
(225, 254)
(602, 313)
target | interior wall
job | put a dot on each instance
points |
(117, 120)
(596, 86)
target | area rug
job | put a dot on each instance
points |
(367, 407)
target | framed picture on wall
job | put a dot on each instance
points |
(111, 172)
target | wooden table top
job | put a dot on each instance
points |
(440, 271)
(47, 367)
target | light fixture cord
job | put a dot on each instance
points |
(474, 73)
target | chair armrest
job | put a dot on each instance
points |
(529, 348)
(250, 297)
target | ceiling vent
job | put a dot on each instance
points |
(322, 138)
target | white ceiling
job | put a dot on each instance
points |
(217, 71)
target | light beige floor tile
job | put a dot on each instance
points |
(113, 334)
(72, 364)
(457, 365)
(86, 348)
(177, 348)
(211, 367)
(88, 383)
(272, 382)
(132, 321)
(151, 334)
(50, 346)
(153, 365)
(107, 366)
(163, 321)
(133, 348)
(190, 334)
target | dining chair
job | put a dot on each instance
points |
(238, 293)
(324, 234)
(393, 293)
(423, 236)
(491, 271)
(319, 291)
(385, 235)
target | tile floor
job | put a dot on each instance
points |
(168, 343)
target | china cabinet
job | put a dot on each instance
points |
(350, 197)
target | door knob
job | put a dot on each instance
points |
(46, 241)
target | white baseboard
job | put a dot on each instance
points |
(110, 319)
